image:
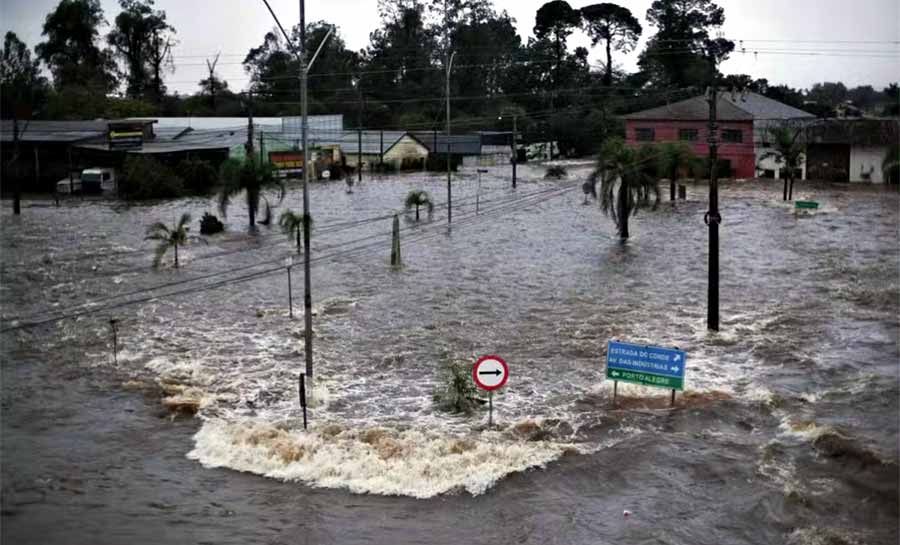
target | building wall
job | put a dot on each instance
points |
(742, 155)
(867, 160)
(405, 149)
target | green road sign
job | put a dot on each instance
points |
(809, 205)
(645, 379)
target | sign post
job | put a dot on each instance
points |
(288, 263)
(490, 373)
(645, 365)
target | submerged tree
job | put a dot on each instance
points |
(787, 150)
(417, 198)
(291, 224)
(253, 179)
(172, 237)
(628, 182)
(672, 158)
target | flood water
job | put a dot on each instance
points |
(787, 431)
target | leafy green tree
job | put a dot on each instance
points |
(417, 198)
(830, 94)
(291, 224)
(556, 20)
(146, 178)
(892, 92)
(71, 50)
(22, 88)
(615, 25)
(673, 159)
(172, 237)
(628, 182)
(788, 149)
(679, 54)
(251, 179)
(141, 39)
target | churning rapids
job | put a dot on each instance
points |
(787, 431)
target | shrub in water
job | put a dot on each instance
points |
(556, 172)
(210, 225)
(456, 392)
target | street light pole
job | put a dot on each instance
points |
(449, 189)
(307, 282)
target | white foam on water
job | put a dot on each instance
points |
(415, 463)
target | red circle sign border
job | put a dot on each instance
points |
(505, 373)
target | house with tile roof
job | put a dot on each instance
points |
(743, 121)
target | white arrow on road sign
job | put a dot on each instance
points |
(677, 357)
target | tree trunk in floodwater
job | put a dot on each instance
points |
(791, 189)
(784, 197)
(672, 189)
(417, 212)
(622, 209)
(176, 255)
(299, 242)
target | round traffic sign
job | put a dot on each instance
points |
(490, 372)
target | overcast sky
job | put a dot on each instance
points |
(856, 41)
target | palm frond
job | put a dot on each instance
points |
(158, 228)
(183, 221)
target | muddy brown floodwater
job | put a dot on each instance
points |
(787, 431)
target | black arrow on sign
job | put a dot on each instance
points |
(494, 372)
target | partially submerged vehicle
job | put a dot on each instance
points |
(91, 181)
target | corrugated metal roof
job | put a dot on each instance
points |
(693, 109)
(860, 132)
(53, 131)
(371, 141)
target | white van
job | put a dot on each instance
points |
(91, 180)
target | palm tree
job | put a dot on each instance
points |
(292, 225)
(628, 182)
(787, 150)
(247, 176)
(170, 238)
(418, 198)
(673, 157)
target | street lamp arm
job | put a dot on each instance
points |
(319, 50)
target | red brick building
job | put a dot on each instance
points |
(688, 121)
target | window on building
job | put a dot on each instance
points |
(688, 135)
(732, 135)
(644, 135)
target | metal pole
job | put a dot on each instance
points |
(615, 391)
(262, 147)
(712, 217)
(290, 295)
(515, 156)
(303, 397)
(672, 402)
(359, 153)
(490, 408)
(449, 190)
(114, 324)
(249, 149)
(307, 284)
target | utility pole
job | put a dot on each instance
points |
(515, 150)
(449, 190)
(359, 153)
(249, 149)
(212, 80)
(307, 284)
(262, 147)
(712, 218)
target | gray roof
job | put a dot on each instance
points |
(693, 109)
(764, 108)
(53, 131)
(460, 144)
(161, 147)
(372, 141)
